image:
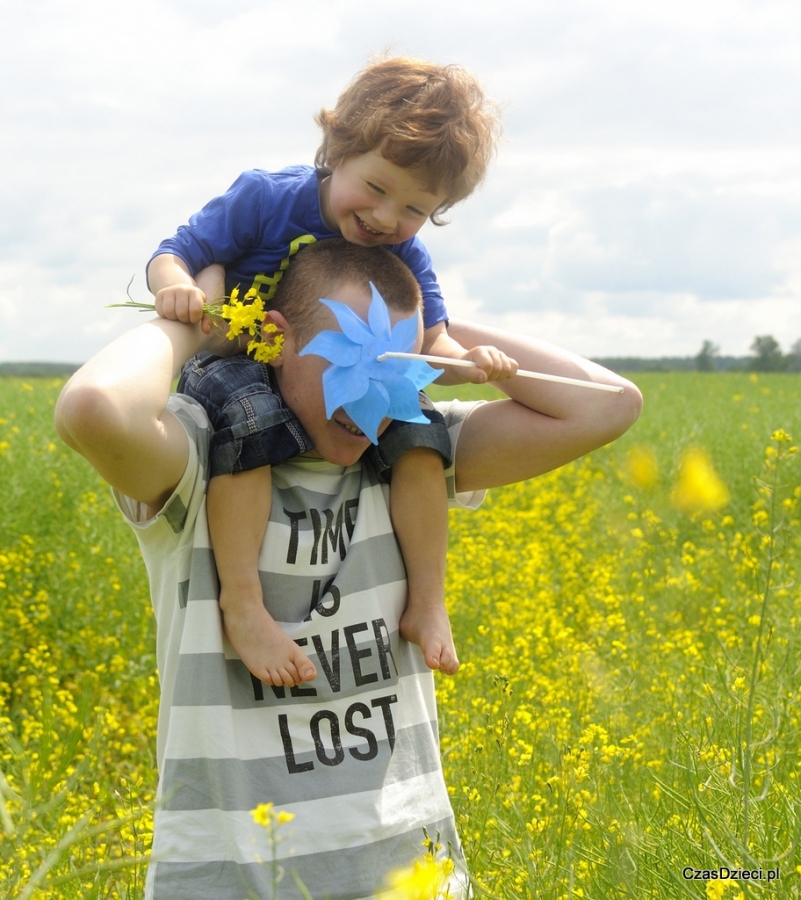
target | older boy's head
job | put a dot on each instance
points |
(432, 119)
(323, 267)
(335, 270)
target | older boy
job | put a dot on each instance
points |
(353, 754)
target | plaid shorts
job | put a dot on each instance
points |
(253, 427)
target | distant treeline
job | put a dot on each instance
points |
(37, 369)
(623, 364)
(615, 363)
(767, 357)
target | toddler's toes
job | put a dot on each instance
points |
(448, 662)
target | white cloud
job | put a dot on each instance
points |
(647, 194)
(598, 331)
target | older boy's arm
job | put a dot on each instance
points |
(544, 425)
(113, 409)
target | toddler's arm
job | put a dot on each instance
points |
(179, 296)
(492, 364)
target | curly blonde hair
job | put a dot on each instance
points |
(419, 115)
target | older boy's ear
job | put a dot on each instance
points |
(279, 327)
(273, 317)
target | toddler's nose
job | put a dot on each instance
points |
(385, 216)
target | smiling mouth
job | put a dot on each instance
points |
(351, 428)
(365, 227)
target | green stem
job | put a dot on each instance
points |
(758, 654)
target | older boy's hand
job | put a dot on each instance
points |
(181, 303)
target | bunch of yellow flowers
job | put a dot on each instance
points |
(245, 316)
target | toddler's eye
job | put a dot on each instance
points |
(374, 187)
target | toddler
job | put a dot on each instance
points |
(406, 141)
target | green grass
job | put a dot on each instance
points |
(629, 699)
(78, 691)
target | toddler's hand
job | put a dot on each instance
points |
(493, 365)
(181, 303)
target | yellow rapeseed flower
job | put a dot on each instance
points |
(641, 466)
(716, 890)
(242, 317)
(263, 814)
(426, 879)
(266, 816)
(699, 487)
(263, 352)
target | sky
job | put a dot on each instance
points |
(646, 195)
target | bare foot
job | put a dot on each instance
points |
(272, 656)
(428, 626)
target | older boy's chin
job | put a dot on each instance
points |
(343, 447)
(342, 457)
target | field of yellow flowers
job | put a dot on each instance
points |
(627, 719)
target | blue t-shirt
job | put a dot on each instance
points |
(257, 226)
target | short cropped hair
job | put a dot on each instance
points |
(419, 115)
(320, 268)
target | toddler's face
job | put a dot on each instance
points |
(371, 201)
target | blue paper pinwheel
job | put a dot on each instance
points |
(366, 389)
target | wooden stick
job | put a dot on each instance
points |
(523, 373)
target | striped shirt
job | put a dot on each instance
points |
(353, 755)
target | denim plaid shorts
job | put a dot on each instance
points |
(253, 427)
